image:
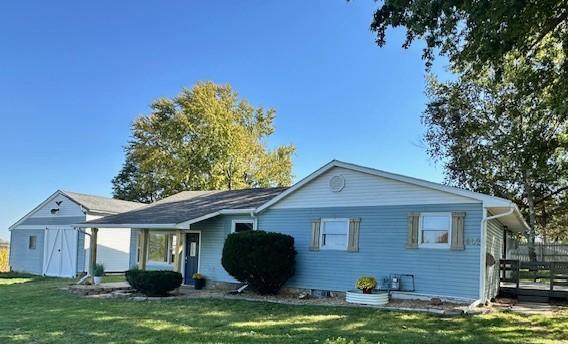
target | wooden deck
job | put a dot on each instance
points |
(533, 281)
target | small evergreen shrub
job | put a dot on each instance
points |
(153, 283)
(99, 270)
(366, 284)
(263, 260)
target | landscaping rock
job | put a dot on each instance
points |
(435, 301)
(304, 296)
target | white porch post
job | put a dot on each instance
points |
(179, 250)
(143, 248)
(93, 249)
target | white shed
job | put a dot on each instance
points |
(44, 241)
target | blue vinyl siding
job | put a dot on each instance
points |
(213, 234)
(22, 259)
(383, 235)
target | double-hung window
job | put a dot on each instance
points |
(435, 230)
(334, 234)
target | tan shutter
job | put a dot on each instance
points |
(413, 222)
(315, 239)
(353, 244)
(457, 231)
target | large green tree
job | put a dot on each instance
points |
(475, 35)
(495, 138)
(206, 138)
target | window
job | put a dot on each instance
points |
(334, 233)
(242, 226)
(32, 242)
(161, 247)
(435, 230)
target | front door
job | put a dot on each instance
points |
(60, 255)
(191, 256)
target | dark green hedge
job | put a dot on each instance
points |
(264, 260)
(154, 283)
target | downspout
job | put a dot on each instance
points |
(482, 253)
(255, 219)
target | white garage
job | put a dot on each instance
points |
(44, 241)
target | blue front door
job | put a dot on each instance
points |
(191, 256)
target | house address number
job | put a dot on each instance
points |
(473, 241)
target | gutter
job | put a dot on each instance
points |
(482, 252)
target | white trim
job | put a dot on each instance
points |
(322, 230)
(186, 224)
(168, 226)
(440, 246)
(234, 223)
(482, 268)
(487, 199)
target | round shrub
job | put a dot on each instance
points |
(154, 283)
(367, 284)
(263, 260)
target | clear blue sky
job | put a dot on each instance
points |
(74, 74)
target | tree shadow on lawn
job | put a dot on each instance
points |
(41, 312)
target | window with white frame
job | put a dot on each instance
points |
(161, 247)
(435, 230)
(242, 226)
(334, 234)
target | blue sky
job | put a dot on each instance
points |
(73, 76)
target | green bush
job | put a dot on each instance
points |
(263, 260)
(99, 270)
(153, 283)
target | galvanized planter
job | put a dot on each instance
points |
(377, 298)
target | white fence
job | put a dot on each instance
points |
(544, 252)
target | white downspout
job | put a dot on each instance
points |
(482, 252)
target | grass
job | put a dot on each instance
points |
(36, 310)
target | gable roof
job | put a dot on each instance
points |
(488, 201)
(184, 208)
(90, 203)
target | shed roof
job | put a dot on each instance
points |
(99, 204)
(187, 207)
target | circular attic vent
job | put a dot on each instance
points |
(337, 183)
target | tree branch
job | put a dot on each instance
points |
(551, 194)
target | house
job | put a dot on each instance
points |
(43, 242)
(348, 221)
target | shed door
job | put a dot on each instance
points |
(60, 254)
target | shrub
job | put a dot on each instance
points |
(263, 260)
(366, 284)
(4, 253)
(99, 270)
(197, 276)
(153, 283)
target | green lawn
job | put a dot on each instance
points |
(36, 310)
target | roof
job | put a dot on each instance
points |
(490, 202)
(184, 208)
(98, 204)
(91, 204)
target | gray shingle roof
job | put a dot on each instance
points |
(102, 204)
(190, 205)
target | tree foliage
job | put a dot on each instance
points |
(476, 35)
(206, 138)
(494, 138)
